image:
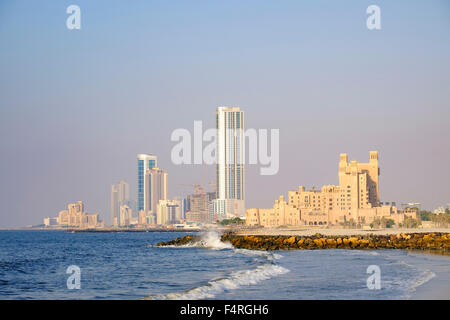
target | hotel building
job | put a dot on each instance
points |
(356, 199)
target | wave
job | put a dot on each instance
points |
(426, 276)
(215, 287)
(208, 240)
(211, 240)
(420, 276)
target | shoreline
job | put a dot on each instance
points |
(438, 286)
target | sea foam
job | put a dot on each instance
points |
(234, 281)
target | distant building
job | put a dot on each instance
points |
(145, 162)
(439, 210)
(168, 212)
(50, 222)
(155, 183)
(75, 216)
(230, 163)
(201, 208)
(126, 216)
(356, 199)
(120, 195)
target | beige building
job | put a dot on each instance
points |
(156, 184)
(75, 216)
(356, 199)
(125, 215)
(168, 212)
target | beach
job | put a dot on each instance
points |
(436, 287)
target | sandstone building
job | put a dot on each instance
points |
(356, 199)
(75, 216)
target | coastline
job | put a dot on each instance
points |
(435, 288)
(333, 231)
(438, 286)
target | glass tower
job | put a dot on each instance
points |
(145, 162)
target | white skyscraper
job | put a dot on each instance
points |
(230, 163)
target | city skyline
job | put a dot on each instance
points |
(79, 105)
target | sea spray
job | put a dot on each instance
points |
(211, 239)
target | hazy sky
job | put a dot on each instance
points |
(77, 106)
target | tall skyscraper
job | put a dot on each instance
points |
(120, 195)
(230, 163)
(155, 185)
(145, 162)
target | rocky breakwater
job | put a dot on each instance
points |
(418, 241)
(186, 240)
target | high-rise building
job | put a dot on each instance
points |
(230, 190)
(145, 162)
(155, 185)
(120, 194)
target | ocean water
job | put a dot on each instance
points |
(33, 265)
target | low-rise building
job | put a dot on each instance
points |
(75, 216)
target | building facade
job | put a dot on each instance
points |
(199, 208)
(230, 174)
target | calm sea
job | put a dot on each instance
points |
(33, 265)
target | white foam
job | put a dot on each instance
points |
(210, 240)
(234, 281)
(426, 276)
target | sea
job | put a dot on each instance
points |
(129, 265)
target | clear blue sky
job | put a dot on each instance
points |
(76, 107)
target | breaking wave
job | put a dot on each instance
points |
(235, 281)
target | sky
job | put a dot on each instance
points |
(77, 106)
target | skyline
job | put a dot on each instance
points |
(78, 106)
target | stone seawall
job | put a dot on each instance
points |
(418, 241)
